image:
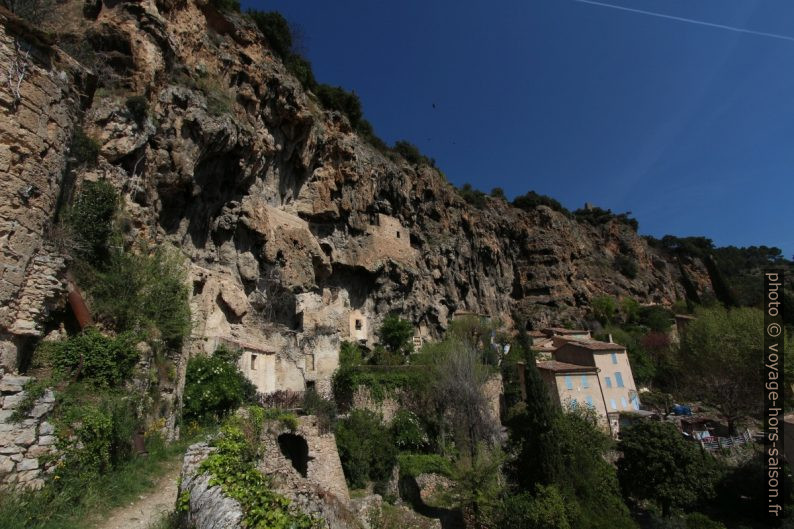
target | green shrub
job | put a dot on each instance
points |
(366, 448)
(226, 5)
(302, 70)
(337, 98)
(545, 509)
(34, 390)
(596, 216)
(411, 153)
(101, 360)
(416, 464)
(350, 354)
(214, 386)
(90, 219)
(139, 292)
(323, 409)
(138, 107)
(408, 432)
(604, 308)
(531, 200)
(219, 97)
(233, 468)
(276, 30)
(287, 419)
(84, 149)
(475, 197)
(396, 334)
(656, 318)
(626, 265)
(498, 192)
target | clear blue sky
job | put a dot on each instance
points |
(690, 127)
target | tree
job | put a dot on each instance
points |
(722, 351)
(604, 308)
(589, 478)
(366, 448)
(458, 390)
(659, 465)
(533, 435)
(276, 30)
(545, 509)
(477, 485)
(395, 334)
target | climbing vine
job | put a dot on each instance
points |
(232, 467)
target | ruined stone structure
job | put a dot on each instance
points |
(303, 465)
(24, 442)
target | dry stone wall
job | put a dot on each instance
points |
(27, 446)
(40, 101)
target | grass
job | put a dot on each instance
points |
(70, 505)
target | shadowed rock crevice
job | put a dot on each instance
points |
(295, 448)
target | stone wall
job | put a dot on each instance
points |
(36, 125)
(23, 444)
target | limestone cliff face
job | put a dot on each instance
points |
(288, 218)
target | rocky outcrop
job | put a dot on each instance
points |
(27, 445)
(41, 96)
(271, 198)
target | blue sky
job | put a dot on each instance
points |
(689, 127)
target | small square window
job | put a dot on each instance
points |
(398, 234)
(358, 325)
(253, 362)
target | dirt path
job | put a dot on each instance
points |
(149, 507)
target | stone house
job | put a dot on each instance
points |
(572, 385)
(614, 372)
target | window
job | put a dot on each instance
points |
(568, 382)
(574, 404)
(311, 385)
(612, 403)
(253, 362)
(623, 403)
(358, 325)
(608, 382)
(635, 403)
(619, 379)
(585, 383)
(614, 358)
(398, 234)
(589, 400)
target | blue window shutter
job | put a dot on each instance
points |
(568, 382)
(623, 402)
(585, 384)
(589, 400)
(608, 381)
(574, 404)
(635, 402)
(619, 379)
(612, 403)
(614, 358)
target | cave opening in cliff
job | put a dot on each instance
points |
(296, 449)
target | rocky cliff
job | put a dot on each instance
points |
(284, 214)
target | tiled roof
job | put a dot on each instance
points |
(595, 345)
(562, 330)
(562, 367)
